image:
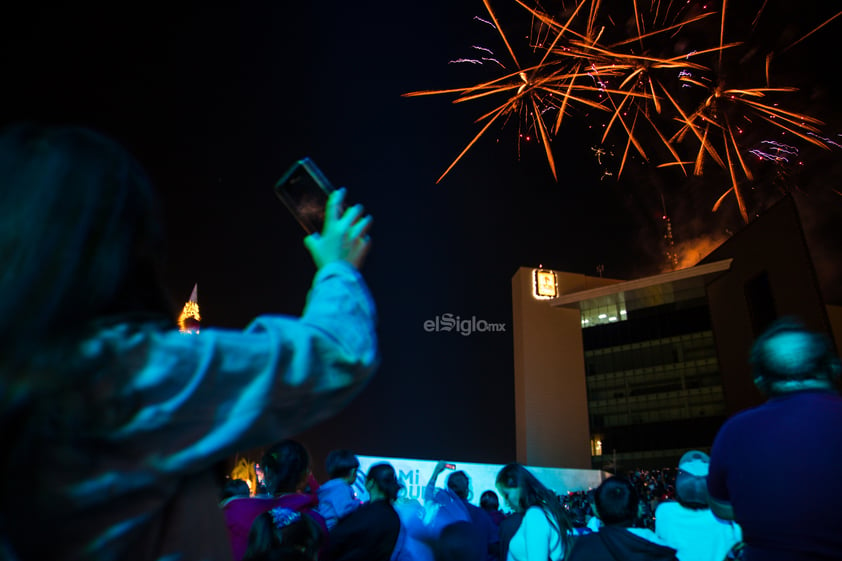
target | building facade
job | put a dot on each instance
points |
(614, 374)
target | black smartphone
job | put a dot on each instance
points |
(304, 190)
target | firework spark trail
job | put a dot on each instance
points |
(484, 49)
(813, 31)
(826, 140)
(485, 21)
(778, 153)
(462, 60)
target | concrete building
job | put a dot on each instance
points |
(625, 374)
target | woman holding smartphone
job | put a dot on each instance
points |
(114, 421)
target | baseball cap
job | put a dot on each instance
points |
(695, 463)
(691, 480)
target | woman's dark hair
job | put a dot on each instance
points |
(383, 476)
(616, 502)
(81, 242)
(534, 493)
(294, 536)
(81, 249)
(340, 462)
(489, 500)
(285, 467)
(459, 483)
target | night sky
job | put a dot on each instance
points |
(218, 99)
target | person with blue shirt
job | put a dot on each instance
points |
(772, 467)
(337, 498)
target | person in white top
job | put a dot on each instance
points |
(544, 532)
(688, 525)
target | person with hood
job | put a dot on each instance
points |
(616, 505)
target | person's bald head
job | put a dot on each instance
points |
(788, 357)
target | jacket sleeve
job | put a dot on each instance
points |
(208, 395)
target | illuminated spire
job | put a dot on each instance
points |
(670, 251)
(188, 321)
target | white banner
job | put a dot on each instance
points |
(414, 475)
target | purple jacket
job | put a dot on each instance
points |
(240, 514)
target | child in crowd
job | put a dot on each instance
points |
(337, 497)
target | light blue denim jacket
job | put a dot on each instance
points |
(144, 486)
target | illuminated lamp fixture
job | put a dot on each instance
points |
(545, 283)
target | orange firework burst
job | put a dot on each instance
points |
(530, 92)
(650, 81)
(712, 122)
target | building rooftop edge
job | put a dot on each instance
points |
(663, 278)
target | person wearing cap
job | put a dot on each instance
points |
(687, 524)
(773, 467)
